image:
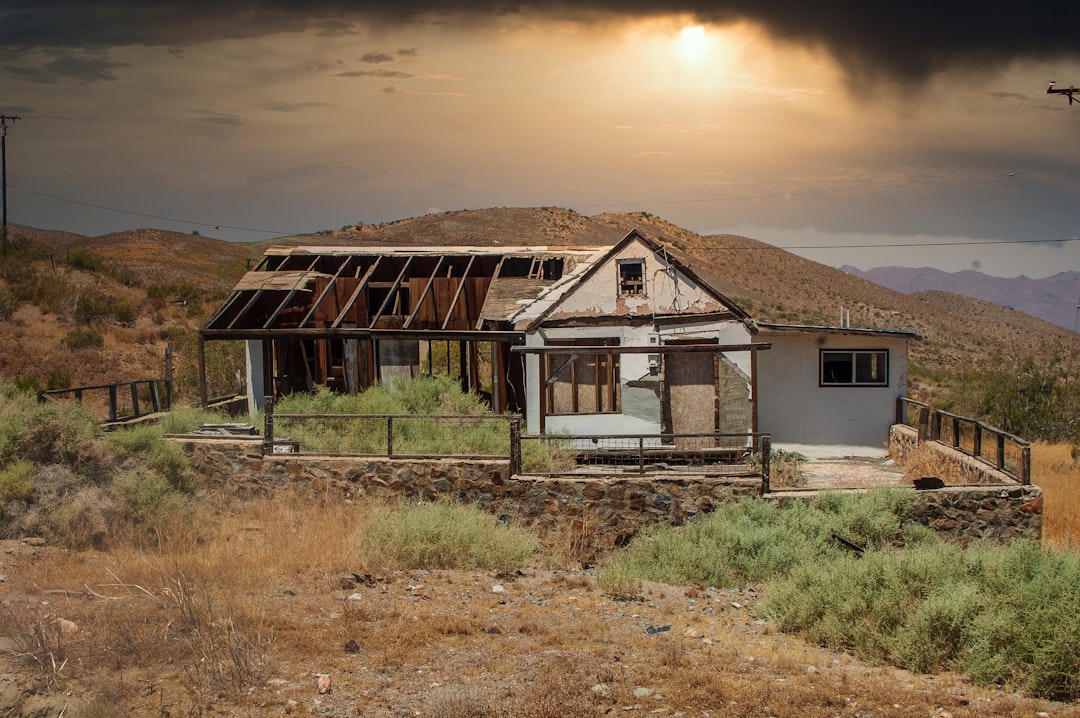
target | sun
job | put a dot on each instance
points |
(694, 43)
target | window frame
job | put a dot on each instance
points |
(854, 382)
(624, 285)
(608, 393)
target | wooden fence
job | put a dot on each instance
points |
(992, 446)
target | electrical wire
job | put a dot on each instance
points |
(154, 216)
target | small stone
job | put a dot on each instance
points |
(324, 683)
(601, 689)
(736, 604)
(356, 597)
(34, 541)
(498, 588)
(352, 646)
(642, 692)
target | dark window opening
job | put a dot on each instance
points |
(854, 367)
(631, 277)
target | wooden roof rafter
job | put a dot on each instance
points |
(423, 295)
(457, 294)
(355, 295)
(326, 291)
(393, 290)
(288, 298)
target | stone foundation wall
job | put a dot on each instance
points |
(615, 506)
(611, 507)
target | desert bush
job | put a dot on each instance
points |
(754, 541)
(16, 482)
(1003, 614)
(420, 397)
(147, 443)
(85, 260)
(185, 419)
(83, 338)
(8, 305)
(443, 534)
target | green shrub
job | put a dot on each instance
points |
(148, 443)
(443, 535)
(83, 338)
(16, 482)
(8, 305)
(85, 260)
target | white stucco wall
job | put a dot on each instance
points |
(797, 411)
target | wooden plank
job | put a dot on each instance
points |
(356, 293)
(393, 291)
(326, 290)
(423, 294)
(457, 294)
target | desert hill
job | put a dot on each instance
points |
(176, 279)
(1051, 298)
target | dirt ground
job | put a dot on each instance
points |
(541, 642)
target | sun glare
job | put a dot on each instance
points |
(694, 43)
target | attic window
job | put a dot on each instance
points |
(631, 277)
(854, 368)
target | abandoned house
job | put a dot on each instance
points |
(617, 340)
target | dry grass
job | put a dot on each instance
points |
(238, 614)
(927, 461)
(1055, 470)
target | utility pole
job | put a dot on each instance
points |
(4, 120)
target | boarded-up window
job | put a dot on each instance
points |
(585, 383)
(856, 367)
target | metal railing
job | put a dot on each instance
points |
(466, 436)
(547, 454)
(992, 446)
(121, 400)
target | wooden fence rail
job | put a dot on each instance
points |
(158, 397)
(992, 446)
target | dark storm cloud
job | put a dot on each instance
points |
(907, 42)
(375, 58)
(377, 74)
(69, 68)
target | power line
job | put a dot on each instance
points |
(154, 216)
(928, 243)
(958, 243)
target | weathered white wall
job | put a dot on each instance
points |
(796, 411)
(666, 291)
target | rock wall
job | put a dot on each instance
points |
(992, 506)
(616, 507)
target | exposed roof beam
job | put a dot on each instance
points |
(457, 294)
(288, 298)
(326, 291)
(392, 292)
(356, 293)
(423, 295)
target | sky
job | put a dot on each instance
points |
(869, 134)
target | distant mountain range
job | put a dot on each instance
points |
(1054, 298)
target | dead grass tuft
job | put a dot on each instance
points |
(1056, 470)
(924, 461)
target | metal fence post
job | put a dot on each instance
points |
(641, 454)
(766, 450)
(389, 436)
(515, 446)
(1025, 465)
(268, 430)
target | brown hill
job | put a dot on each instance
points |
(770, 283)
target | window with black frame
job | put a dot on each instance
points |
(854, 367)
